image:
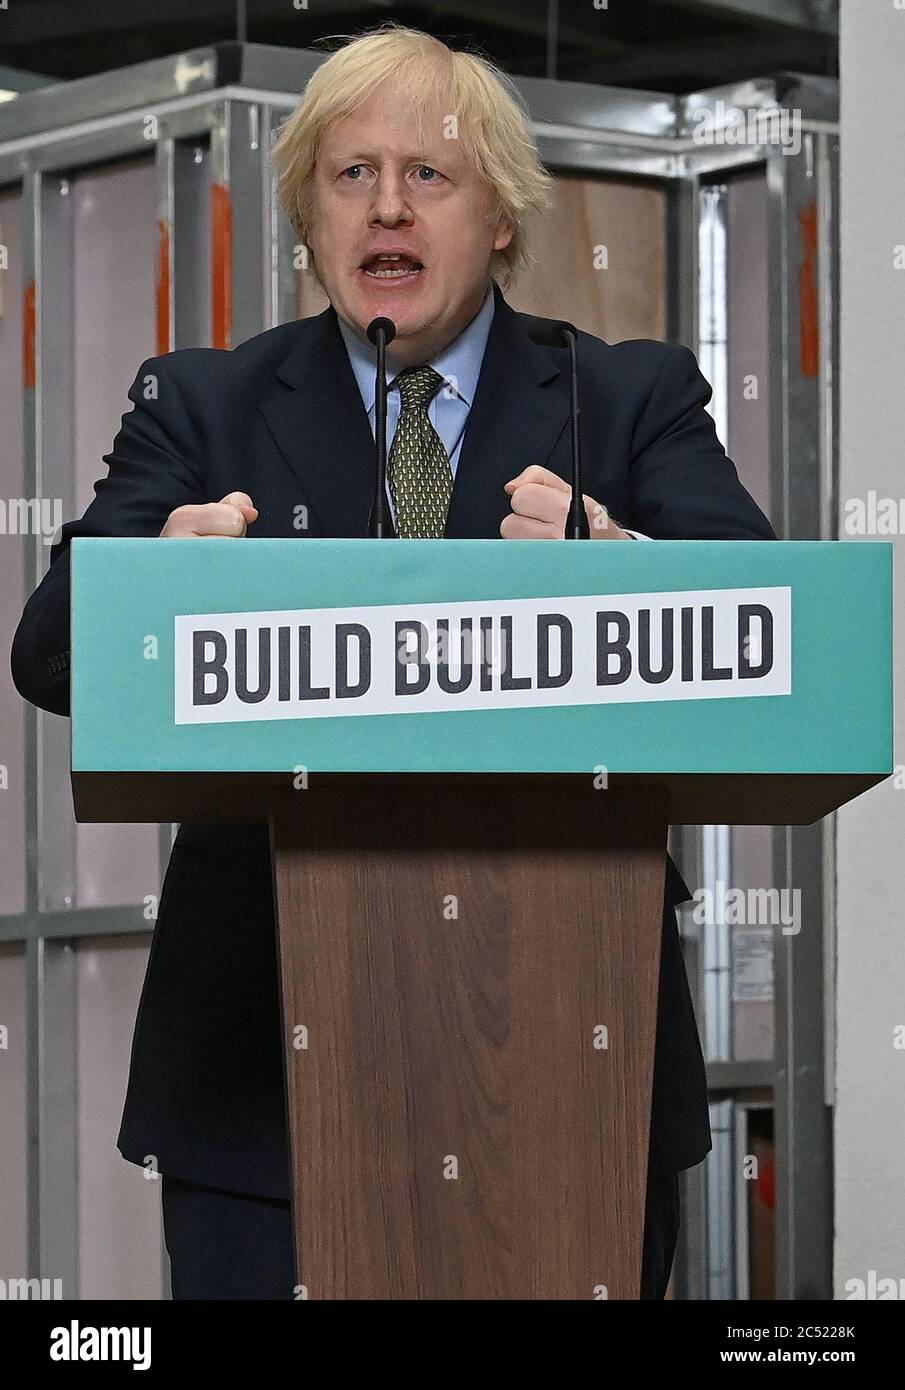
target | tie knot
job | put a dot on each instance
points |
(417, 386)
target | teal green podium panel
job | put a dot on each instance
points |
(218, 655)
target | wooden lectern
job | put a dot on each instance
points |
(469, 844)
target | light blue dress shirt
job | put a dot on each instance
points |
(459, 364)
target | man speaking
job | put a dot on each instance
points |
(408, 170)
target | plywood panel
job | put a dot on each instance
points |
(599, 259)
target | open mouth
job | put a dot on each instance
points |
(391, 267)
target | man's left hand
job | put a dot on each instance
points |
(540, 508)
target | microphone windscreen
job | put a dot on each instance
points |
(387, 326)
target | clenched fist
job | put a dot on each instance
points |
(540, 508)
(228, 517)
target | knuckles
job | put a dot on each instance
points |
(537, 500)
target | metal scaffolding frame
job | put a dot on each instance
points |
(228, 100)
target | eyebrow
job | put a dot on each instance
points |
(360, 156)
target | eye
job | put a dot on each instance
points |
(426, 169)
(351, 172)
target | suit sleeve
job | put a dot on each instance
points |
(683, 486)
(152, 469)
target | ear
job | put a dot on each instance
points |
(504, 234)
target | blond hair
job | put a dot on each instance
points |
(485, 110)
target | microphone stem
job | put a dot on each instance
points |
(577, 525)
(378, 527)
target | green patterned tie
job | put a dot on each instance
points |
(418, 466)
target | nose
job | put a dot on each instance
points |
(389, 205)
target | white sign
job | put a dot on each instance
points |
(400, 658)
(752, 964)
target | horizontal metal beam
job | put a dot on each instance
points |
(156, 85)
(578, 127)
(740, 1076)
(814, 16)
(73, 925)
(18, 80)
(146, 88)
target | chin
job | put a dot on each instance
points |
(409, 319)
(404, 300)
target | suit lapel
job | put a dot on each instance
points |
(520, 409)
(318, 420)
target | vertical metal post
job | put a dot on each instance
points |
(50, 1067)
(31, 255)
(52, 414)
(683, 227)
(716, 840)
(829, 302)
(684, 220)
(53, 1237)
(712, 342)
(284, 251)
(713, 308)
(717, 945)
(31, 444)
(242, 223)
(741, 1263)
(801, 333)
(720, 1233)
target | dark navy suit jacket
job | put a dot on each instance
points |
(281, 418)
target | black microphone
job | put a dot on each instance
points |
(381, 333)
(553, 333)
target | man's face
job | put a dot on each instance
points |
(376, 191)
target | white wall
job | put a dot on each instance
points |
(870, 1071)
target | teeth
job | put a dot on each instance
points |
(390, 274)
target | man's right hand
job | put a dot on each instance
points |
(228, 517)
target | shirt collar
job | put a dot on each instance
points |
(460, 362)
